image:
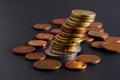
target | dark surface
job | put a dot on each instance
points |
(16, 20)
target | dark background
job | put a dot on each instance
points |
(17, 18)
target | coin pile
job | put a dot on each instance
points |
(72, 32)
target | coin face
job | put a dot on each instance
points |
(89, 58)
(35, 56)
(95, 29)
(23, 49)
(98, 34)
(45, 36)
(96, 24)
(42, 26)
(97, 44)
(112, 46)
(76, 65)
(55, 31)
(58, 21)
(48, 64)
(112, 39)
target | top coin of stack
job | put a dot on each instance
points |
(73, 31)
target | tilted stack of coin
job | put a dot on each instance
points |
(73, 31)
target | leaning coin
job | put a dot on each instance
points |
(76, 65)
(112, 39)
(96, 24)
(89, 58)
(48, 64)
(95, 29)
(97, 44)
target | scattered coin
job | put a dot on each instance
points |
(112, 46)
(76, 65)
(48, 64)
(95, 29)
(55, 31)
(45, 36)
(112, 39)
(42, 26)
(89, 58)
(97, 44)
(96, 24)
(58, 21)
(102, 35)
(23, 49)
(37, 43)
(35, 56)
(88, 39)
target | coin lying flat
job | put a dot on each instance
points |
(97, 44)
(112, 39)
(96, 24)
(35, 56)
(102, 35)
(112, 46)
(95, 29)
(54, 31)
(42, 26)
(45, 36)
(89, 58)
(58, 21)
(36, 43)
(76, 65)
(23, 49)
(48, 64)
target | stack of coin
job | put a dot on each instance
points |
(72, 31)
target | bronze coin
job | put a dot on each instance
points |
(95, 29)
(96, 24)
(112, 39)
(55, 31)
(58, 21)
(42, 26)
(23, 49)
(35, 56)
(89, 58)
(88, 39)
(36, 43)
(76, 65)
(112, 46)
(45, 36)
(98, 34)
(97, 44)
(48, 64)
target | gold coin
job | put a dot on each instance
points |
(89, 58)
(48, 64)
(76, 65)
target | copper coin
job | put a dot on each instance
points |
(88, 39)
(96, 24)
(95, 29)
(35, 56)
(58, 21)
(112, 46)
(97, 44)
(45, 36)
(76, 65)
(48, 64)
(98, 34)
(89, 58)
(23, 49)
(36, 43)
(42, 26)
(112, 39)
(55, 31)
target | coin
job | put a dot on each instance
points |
(97, 44)
(54, 31)
(96, 24)
(76, 65)
(112, 46)
(42, 26)
(45, 36)
(22, 50)
(98, 34)
(36, 43)
(48, 64)
(95, 29)
(88, 39)
(58, 21)
(35, 56)
(112, 39)
(89, 58)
